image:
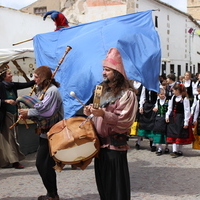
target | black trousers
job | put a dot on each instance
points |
(112, 175)
(45, 164)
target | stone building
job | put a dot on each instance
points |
(193, 8)
(42, 6)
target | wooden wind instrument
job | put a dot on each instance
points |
(22, 42)
(54, 73)
(44, 91)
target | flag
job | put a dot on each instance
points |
(133, 35)
(197, 32)
(191, 31)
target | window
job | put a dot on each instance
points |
(198, 67)
(167, 47)
(179, 70)
(172, 68)
(40, 10)
(164, 68)
(168, 17)
(186, 67)
(156, 21)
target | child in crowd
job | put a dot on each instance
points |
(189, 85)
(196, 98)
(159, 130)
(196, 121)
(147, 117)
(171, 81)
(177, 116)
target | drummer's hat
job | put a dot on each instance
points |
(114, 61)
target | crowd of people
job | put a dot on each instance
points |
(165, 118)
(168, 118)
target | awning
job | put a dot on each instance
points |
(7, 55)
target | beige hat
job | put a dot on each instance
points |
(114, 61)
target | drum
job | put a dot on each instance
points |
(73, 141)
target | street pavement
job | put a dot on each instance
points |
(152, 178)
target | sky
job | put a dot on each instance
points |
(18, 4)
(179, 4)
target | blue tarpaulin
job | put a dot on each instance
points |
(133, 34)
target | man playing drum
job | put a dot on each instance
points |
(46, 113)
(113, 120)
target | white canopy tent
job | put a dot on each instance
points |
(7, 55)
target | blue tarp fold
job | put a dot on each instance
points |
(133, 34)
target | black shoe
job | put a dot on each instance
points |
(173, 154)
(17, 165)
(159, 153)
(137, 146)
(177, 154)
(166, 151)
(153, 149)
(46, 197)
(180, 153)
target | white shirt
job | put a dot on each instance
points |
(186, 105)
(195, 92)
(196, 112)
(136, 84)
(162, 101)
(187, 84)
(196, 98)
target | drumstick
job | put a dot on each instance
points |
(74, 95)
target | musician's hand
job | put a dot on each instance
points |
(167, 120)
(87, 109)
(98, 112)
(155, 109)
(141, 110)
(10, 101)
(185, 126)
(23, 113)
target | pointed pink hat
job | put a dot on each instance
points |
(114, 61)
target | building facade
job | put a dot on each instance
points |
(193, 8)
(42, 6)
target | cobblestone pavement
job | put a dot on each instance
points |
(152, 177)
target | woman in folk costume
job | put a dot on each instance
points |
(147, 117)
(171, 81)
(59, 19)
(113, 122)
(196, 93)
(177, 117)
(196, 85)
(196, 120)
(160, 126)
(9, 148)
(189, 85)
(196, 98)
(46, 113)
